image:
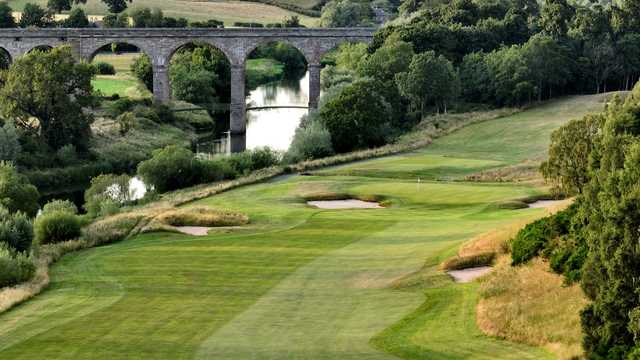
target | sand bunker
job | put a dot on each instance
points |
(468, 275)
(345, 204)
(543, 204)
(194, 230)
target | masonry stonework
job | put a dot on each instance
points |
(161, 44)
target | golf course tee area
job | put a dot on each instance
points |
(300, 282)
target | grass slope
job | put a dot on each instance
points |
(229, 11)
(298, 282)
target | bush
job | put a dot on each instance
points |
(311, 141)
(538, 236)
(15, 268)
(67, 155)
(107, 194)
(171, 168)
(103, 68)
(120, 107)
(60, 206)
(217, 170)
(56, 227)
(16, 231)
(248, 161)
(16, 193)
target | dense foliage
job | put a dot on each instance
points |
(55, 227)
(16, 231)
(53, 89)
(16, 193)
(174, 167)
(15, 268)
(598, 158)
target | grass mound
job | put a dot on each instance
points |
(471, 261)
(202, 216)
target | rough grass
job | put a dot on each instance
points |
(202, 216)
(532, 305)
(298, 281)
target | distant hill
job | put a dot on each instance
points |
(229, 11)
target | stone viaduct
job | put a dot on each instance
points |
(161, 44)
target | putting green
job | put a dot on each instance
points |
(299, 282)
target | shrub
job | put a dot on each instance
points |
(107, 194)
(126, 122)
(312, 141)
(120, 107)
(16, 193)
(171, 168)
(56, 227)
(15, 268)
(16, 231)
(61, 206)
(103, 68)
(67, 155)
(538, 236)
(246, 162)
(217, 170)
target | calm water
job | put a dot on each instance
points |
(275, 128)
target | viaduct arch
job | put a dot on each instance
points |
(161, 44)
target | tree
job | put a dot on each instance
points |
(346, 13)
(610, 207)
(16, 193)
(568, 165)
(356, 117)
(430, 79)
(143, 70)
(549, 63)
(629, 59)
(476, 78)
(34, 15)
(511, 79)
(9, 144)
(116, 6)
(556, 17)
(77, 19)
(6, 16)
(59, 6)
(115, 21)
(54, 89)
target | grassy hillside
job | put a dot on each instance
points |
(228, 11)
(300, 282)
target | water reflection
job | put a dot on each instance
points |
(275, 127)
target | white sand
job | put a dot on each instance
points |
(194, 230)
(468, 275)
(345, 204)
(543, 204)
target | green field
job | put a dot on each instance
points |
(123, 83)
(229, 11)
(299, 282)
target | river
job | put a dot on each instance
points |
(275, 127)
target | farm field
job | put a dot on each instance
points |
(300, 282)
(229, 11)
